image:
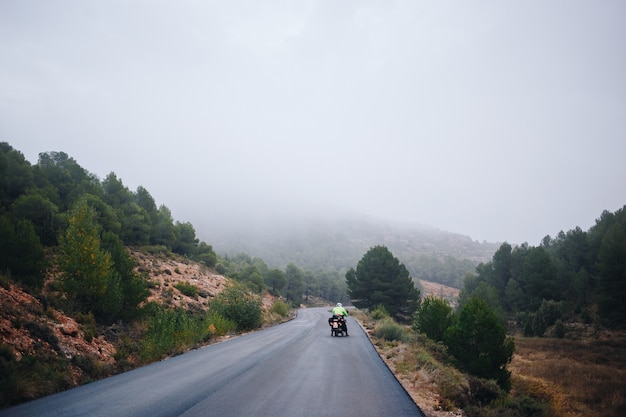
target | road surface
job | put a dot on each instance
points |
(295, 369)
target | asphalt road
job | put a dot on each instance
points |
(294, 369)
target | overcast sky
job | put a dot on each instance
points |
(501, 120)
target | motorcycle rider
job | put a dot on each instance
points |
(338, 310)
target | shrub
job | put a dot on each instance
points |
(280, 307)
(390, 330)
(380, 312)
(88, 324)
(44, 333)
(237, 305)
(217, 325)
(171, 331)
(559, 329)
(479, 344)
(433, 317)
(187, 289)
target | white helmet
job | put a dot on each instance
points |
(339, 305)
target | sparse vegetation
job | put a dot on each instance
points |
(389, 330)
(550, 377)
(280, 307)
(187, 289)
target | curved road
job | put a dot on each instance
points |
(294, 369)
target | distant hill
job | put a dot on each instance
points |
(327, 243)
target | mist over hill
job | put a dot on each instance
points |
(336, 242)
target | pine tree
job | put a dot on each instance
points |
(86, 270)
(380, 279)
(479, 343)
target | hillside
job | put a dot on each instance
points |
(55, 351)
(64, 351)
(337, 243)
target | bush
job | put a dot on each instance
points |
(380, 312)
(479, 344)
(559, 329)
(187, 289)
(44, 333)
(390, 330)
(237, 305)
(280, 307)
(219, 326)
(433, 317)
(171, 331)
(88, 324)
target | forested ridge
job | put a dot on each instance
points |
(577, 275)
(37, 202)
(335, 243)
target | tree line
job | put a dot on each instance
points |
(577, 274)
(37, 203)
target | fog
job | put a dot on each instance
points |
(503, 121)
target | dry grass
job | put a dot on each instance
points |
(578, 377)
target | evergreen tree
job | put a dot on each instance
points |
(380, 279)
(185, 241)
(21, 252)
(612, 274)
(16, 175)
(85, 268)
(479, 343)
(126, 290)
(295, 284)
(275, 279)
(434, 317)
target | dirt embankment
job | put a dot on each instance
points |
(29, 325)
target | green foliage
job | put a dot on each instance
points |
(126, 289)
(575, 269)
(479, 343)
(388, 329)
(280, 307)
(16, 175)
(219, 325)
(295, 284)
(187, 289)
(380, 279)
(612, 271)
(434, 317)
(31, 377)
(97, 274)
(172, 331)
(536, 323)
(86, 270)
(380, 312)
(559, 329)
(43, 333)
(235, 304)
(67, 179)
(43, 214)
(21, 253)
(185, 241)
(205, 254)
(275, 280)
(88, 325)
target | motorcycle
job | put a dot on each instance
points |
(338, 326)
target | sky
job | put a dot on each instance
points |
(500, 120)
